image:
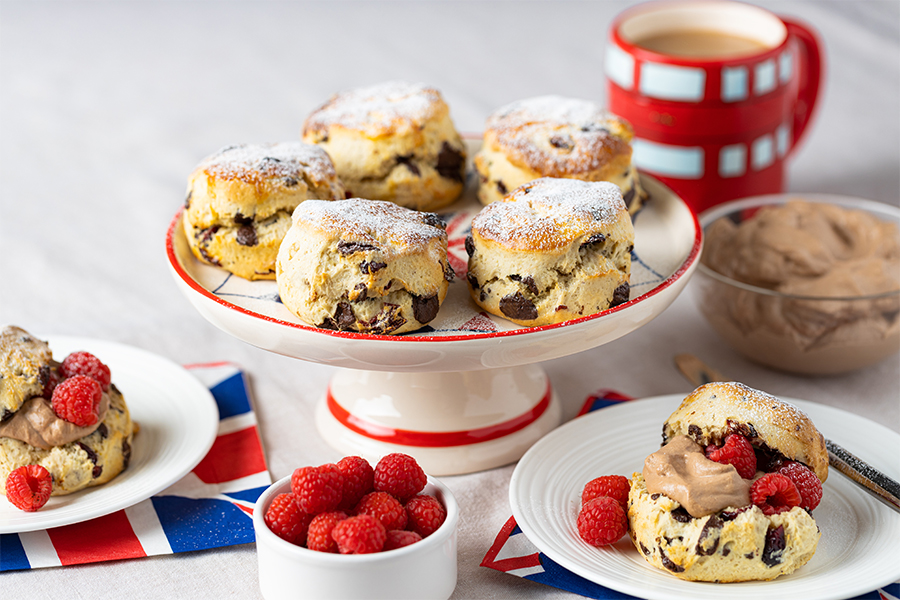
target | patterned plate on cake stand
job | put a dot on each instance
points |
(465, 393)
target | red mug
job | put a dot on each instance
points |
(719, 94)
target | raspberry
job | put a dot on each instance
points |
(28, 487)
(614, 486)
(319, 535)
(807, 483)
(85, 363)
(398, 538)
(774, 493)
(602, 521)
(77, 400)
(286, 519)
(400, 476)
(385, 508)
(426, 514)
(362, 534)
(736, 451)
(359, 480)
(318, 489)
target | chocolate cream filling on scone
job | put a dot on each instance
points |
(76, 457)
(694, 518)
(393, 141)
(554, 136)
(367, 266)
(240, 201)
(551, 251)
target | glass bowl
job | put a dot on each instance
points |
(806, 334)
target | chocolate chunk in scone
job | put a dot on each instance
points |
(366, 266)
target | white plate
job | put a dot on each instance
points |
(857, 552)
(178, 420)
(462, 337)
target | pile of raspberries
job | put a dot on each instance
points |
(603, 518)
(350, 508)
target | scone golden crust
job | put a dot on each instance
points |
(24, 368)
(714, 410)
(367, 266)
(240, 200)
(551, 251)
(553, 136)
(728, 546)
(393, 141)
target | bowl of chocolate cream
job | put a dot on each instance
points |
(806, 284)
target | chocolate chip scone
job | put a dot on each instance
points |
(394, 141)
(700, 519)
(367, 266)
(553, 136)
(76, 456)
(551, 251)
(240, 201)
(24, 368)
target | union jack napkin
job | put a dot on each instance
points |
(514, 554)
(210, 507)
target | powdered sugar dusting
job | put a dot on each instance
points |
(551, 110)
(554, 135)
(783, 410)
(550, 213)
(377, 108)
(250, 162)
(363, 220)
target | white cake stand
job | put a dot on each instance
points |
(467, 393)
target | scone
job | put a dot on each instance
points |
(394, 141)
(553, 136)
(551, 251)
(368, 266)
(76, 457)
(24, 369)
(703, 520)
(240, 200)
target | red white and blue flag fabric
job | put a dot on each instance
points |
(514, 554)
(211, 507)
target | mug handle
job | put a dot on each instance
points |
(811, 75)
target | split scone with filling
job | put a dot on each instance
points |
(554, 136)
(368, 266)
(240, 199)
(729, 496)
(78, 449)
(551, 251)
(393, 141)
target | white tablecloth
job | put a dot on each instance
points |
(105, 108)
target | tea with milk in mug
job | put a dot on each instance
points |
(700, 43)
